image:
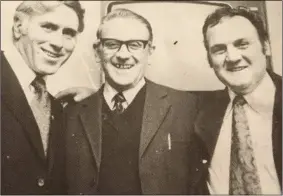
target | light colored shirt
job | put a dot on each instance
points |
(109, 92)
(259, 111)
(22, 71)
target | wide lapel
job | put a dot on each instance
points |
(92, 122)
(207, 127)
(156, 107)
(277, 126)
(55, 132)
(13, 95)
(210, 118)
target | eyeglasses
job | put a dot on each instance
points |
(114, 45)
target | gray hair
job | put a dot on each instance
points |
(124, 13)
(31, 8)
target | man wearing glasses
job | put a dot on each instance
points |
(132, 136)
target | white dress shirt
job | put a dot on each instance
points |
(259, 111)
(109, 92)
(24, 74)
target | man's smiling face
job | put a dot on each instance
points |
(124, 67)
(236, 53)
(46, 41)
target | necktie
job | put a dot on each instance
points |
(41, 108)
(244, 177)
(118, 103)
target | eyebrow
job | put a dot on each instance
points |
(217, 46)
(240, 40)
(70, 31)
(65, 29)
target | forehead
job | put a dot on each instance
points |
(231, 29)
(124, 29)
(62, 16)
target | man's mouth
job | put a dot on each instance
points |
(51, 54)
(236, 69)
(123, 66)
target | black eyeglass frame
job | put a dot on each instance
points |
(121, 43)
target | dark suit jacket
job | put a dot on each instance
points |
(208, 124)
(162, 171)
(24, 168)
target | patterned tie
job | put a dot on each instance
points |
(41, 108)
(118, 103)
(244, 177)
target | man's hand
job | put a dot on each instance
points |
(74, 94)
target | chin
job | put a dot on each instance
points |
(48, 71)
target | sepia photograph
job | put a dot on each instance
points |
(141, 97)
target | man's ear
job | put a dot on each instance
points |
(20, 25)
(96, 50)
(151, 49)
(266, 48)
(150, 57)
(209, 59)
(96, 44)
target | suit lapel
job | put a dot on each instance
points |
(156, 107)
(277, 126)
(210, 118)
(92, 122)
(209, 121)
(56, 126)
(207, 127)
(15, 99)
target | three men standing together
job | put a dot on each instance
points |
(134, 136)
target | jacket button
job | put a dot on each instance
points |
(104, 116)
(40, 182)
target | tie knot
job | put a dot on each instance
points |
(239, 100)
(119, 98)
(39, 84)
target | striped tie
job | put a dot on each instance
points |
(119, 99)
(41, 108)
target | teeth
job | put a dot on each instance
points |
(237, 68)
(51, 54)
(123, 66)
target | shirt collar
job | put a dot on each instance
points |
(24, 74)
(109, 92)
(261, 99)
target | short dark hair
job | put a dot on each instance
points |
(40, 7)
(124, 13)
(254, 17)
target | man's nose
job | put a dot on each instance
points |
(56, 41)
(123, 53)
(233, 54)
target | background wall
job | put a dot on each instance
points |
(82, 69)
(274, 18)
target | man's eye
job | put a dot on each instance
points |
(49, 27)
(112, 45)
(135, 45)
(69, 33)
(218, 50)
(243, 45)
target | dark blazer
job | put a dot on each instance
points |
(24, 168)
(208, 124)
(162, 171)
